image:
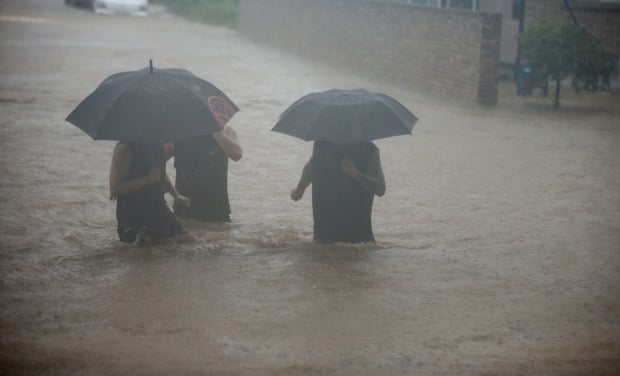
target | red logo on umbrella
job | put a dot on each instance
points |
(221, 108)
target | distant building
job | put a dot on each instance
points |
(600, 17)
(510, 32)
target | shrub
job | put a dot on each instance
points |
(216, 12)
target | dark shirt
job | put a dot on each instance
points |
(202, 176)
(146, 209)
(341, 207)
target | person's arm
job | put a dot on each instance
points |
(306, 179)
(178, 198)
(121, 162)
(228, 142)
(373, 181)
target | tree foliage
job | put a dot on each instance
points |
(561, 51)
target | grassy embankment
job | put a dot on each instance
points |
(215, 12)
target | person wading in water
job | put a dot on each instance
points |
(201, 165)
(138, 182)
(345, 177)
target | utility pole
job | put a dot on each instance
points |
(570, 11)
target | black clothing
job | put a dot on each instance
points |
(146, 209)
(341, 207)
(202, 176)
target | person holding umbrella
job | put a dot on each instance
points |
(144, 110)
(201, 165)
(345, 168)
(138, 182)
(345, 178)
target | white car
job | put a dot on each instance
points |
(133, 7)
(109, 7)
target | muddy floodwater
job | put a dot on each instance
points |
(498, 240)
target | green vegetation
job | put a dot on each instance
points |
(215, 12)
(560, 51)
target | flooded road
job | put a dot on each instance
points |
(498, 240)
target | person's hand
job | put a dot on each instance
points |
(348, 167)
(182, 201)
(153, 176)
(297, 194)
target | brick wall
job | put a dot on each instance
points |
(447, 52)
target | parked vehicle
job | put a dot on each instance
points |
(110, 7)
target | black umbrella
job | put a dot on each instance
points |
(345, 115)
(152, 106)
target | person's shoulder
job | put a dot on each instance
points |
(123, 148)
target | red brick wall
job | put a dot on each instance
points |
(447, 52)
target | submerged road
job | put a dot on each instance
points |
(498, 241)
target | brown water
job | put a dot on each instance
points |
(497, 242)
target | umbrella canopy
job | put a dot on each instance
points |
(152, 106)
(345, 115)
